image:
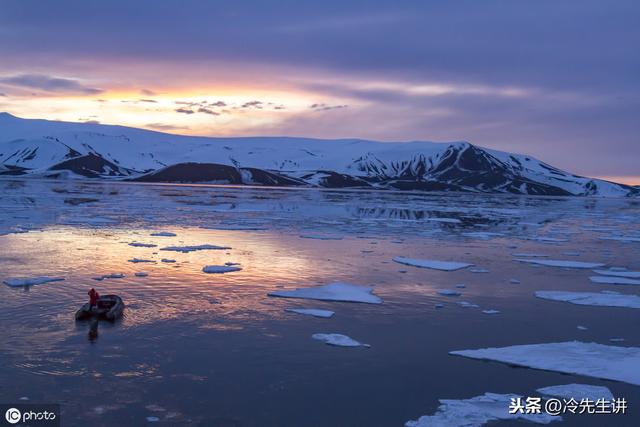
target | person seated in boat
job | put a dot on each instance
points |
(93, 298)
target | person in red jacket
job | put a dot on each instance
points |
(93, 298)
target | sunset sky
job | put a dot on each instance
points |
(556, 79)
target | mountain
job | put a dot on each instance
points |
(55, 149)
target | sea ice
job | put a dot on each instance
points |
(142, 245)
(338, 340)
(592, 298)
(109, 276)
(624, 239)
(572, 357)
(320, 237)
(582, 328)
(614, 280)
(167, 260)
(478, 270)
(514, 281)
(137, 260)
(345, 292)
(433, 264)
(220, 269)
(467, 304)
(528, 255)
(311, 312)
(477, 411)
(193, 248)
(164, 234)
(561, 263)
(620, 273)
(490, 311)
(30, 281)
(449, 293)
(141, 274)
(577, 392)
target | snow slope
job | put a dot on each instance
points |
(62, 149)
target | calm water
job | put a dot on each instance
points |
(215, 350)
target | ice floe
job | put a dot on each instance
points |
(592, 298)
(572, 357)
(449, 293)
(619, 272)
(477, 411)
(514, 281)
(432, 264)
(138, 260)
(30, 281)
(478, 270)
(220, 269)
(490, 311)
(164, 234)
(186, 249)
(467, 304)
(338, 340)
(320, 237)
(109, 276)
(528, 255)
(614, 280)
(141, 274)
(315, 312)
(561, 263)
(344, 292)
(142, 245)
(577, 392)
(167, 260)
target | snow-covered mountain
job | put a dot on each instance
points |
(66, 150)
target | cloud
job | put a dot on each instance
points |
(253, 104)
(325, 107)
(207, 111)
(153, 101)
(147, 92)
(165, 127)
(49, 84)
(184, 111)
(3, 94)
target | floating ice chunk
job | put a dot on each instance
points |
(577, 392)
(544, 239)
(320, 237)
(613, 280)
(514, 281)
(616, 339)
(592, 298)
(138, 260)
(477, 411)
(561, 263)
(449, 293)
(142, 245)
(528, 255)
(467, 304)
(478, 270)
(167, 260)
(624, 239)
(338, 340)
(572, 357)
(141, 274)
(461, 286)
(445, 220)
(482, 235)
(490, 311)
(220, 269)
(433, 264)
(582, 328)
(109, 276)
(345, 292)
(194, 248)
(30, 281)
(164, 234)
(315, 312)
(620, 273)
(153, 419)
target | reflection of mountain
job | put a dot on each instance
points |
(67, 150)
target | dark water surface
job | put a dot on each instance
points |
(215, 350)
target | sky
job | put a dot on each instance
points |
(556, 79)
